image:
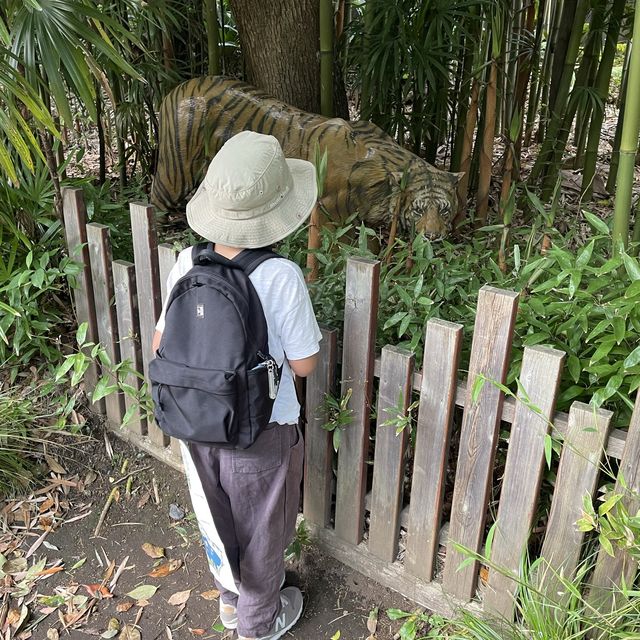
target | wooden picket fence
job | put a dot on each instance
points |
(372, 517)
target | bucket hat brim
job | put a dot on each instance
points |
(218, 225)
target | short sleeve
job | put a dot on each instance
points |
(182, 265)
(300, 333)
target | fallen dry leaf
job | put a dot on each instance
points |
(129, 632)
(13, 616)
(52, 634)
(179, 598)
(54, 465)
(123, 607)
(372, 621)
(144, 500)
(197, 632)
(50, 571)
(46, 505)
(484, 574)
(98, 591)
(165, 569)
(214, 594)
(15, 565)
(152, 550)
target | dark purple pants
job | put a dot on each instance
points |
(254, 495)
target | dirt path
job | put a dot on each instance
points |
(58, 580)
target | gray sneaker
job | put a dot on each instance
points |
(229, 615)
(290, 612)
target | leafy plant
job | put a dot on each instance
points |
(415, 623)
(339, 415)
(301, 541)
(32, 290)
(398, 418)
(582, 301)
(113, 378)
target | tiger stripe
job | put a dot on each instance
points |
(364, 169)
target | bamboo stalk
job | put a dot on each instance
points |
(486, 150)
(615, 155)
(603, 80)
(213, 45)
(628, 143)
(466, 153)
(560, 104)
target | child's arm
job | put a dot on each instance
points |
(155, 343)
(302, 368)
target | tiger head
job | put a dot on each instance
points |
(429, 199)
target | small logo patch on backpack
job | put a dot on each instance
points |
(199, 311)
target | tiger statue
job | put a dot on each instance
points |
(365, 166)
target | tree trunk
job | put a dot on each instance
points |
(280, 45)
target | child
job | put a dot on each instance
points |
(246, 501)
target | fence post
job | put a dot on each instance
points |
(124, 282)
(145, 243)
(103, 293)
(539, 380)
(492, 336)
(396, 378)
(318, 457)
(75, 220)
(611, 571)
(577, 476)
(437, 402)
(360, 318)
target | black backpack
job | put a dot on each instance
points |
(213, 380)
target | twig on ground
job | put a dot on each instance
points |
(103, 515)
(128, 475)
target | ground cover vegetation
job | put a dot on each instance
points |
(534, 101)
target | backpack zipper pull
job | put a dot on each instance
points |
(273, 379)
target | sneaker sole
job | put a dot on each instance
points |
(233, 624)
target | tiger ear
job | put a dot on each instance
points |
(456, 176)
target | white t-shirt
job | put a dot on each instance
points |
(291, 322)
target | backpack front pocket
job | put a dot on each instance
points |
(197, 405)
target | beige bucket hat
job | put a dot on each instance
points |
(252, 196)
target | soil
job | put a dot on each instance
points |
(81, 591)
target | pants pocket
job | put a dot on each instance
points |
(264, 454)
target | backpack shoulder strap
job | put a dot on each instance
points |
(202, 253)
(249, 259)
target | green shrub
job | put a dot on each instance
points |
(580, 301)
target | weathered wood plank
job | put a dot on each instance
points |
(103, 293)
(390, 449)
(615, 441)
(75, 220)
(611, 571)
(360, 316)
(492, 336)
(577, 476)
(539, 378)
(124, 282)
(318, 457)
(167, 257)
(437, 402)
(145, 244)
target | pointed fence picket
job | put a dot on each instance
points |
(379, 503)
